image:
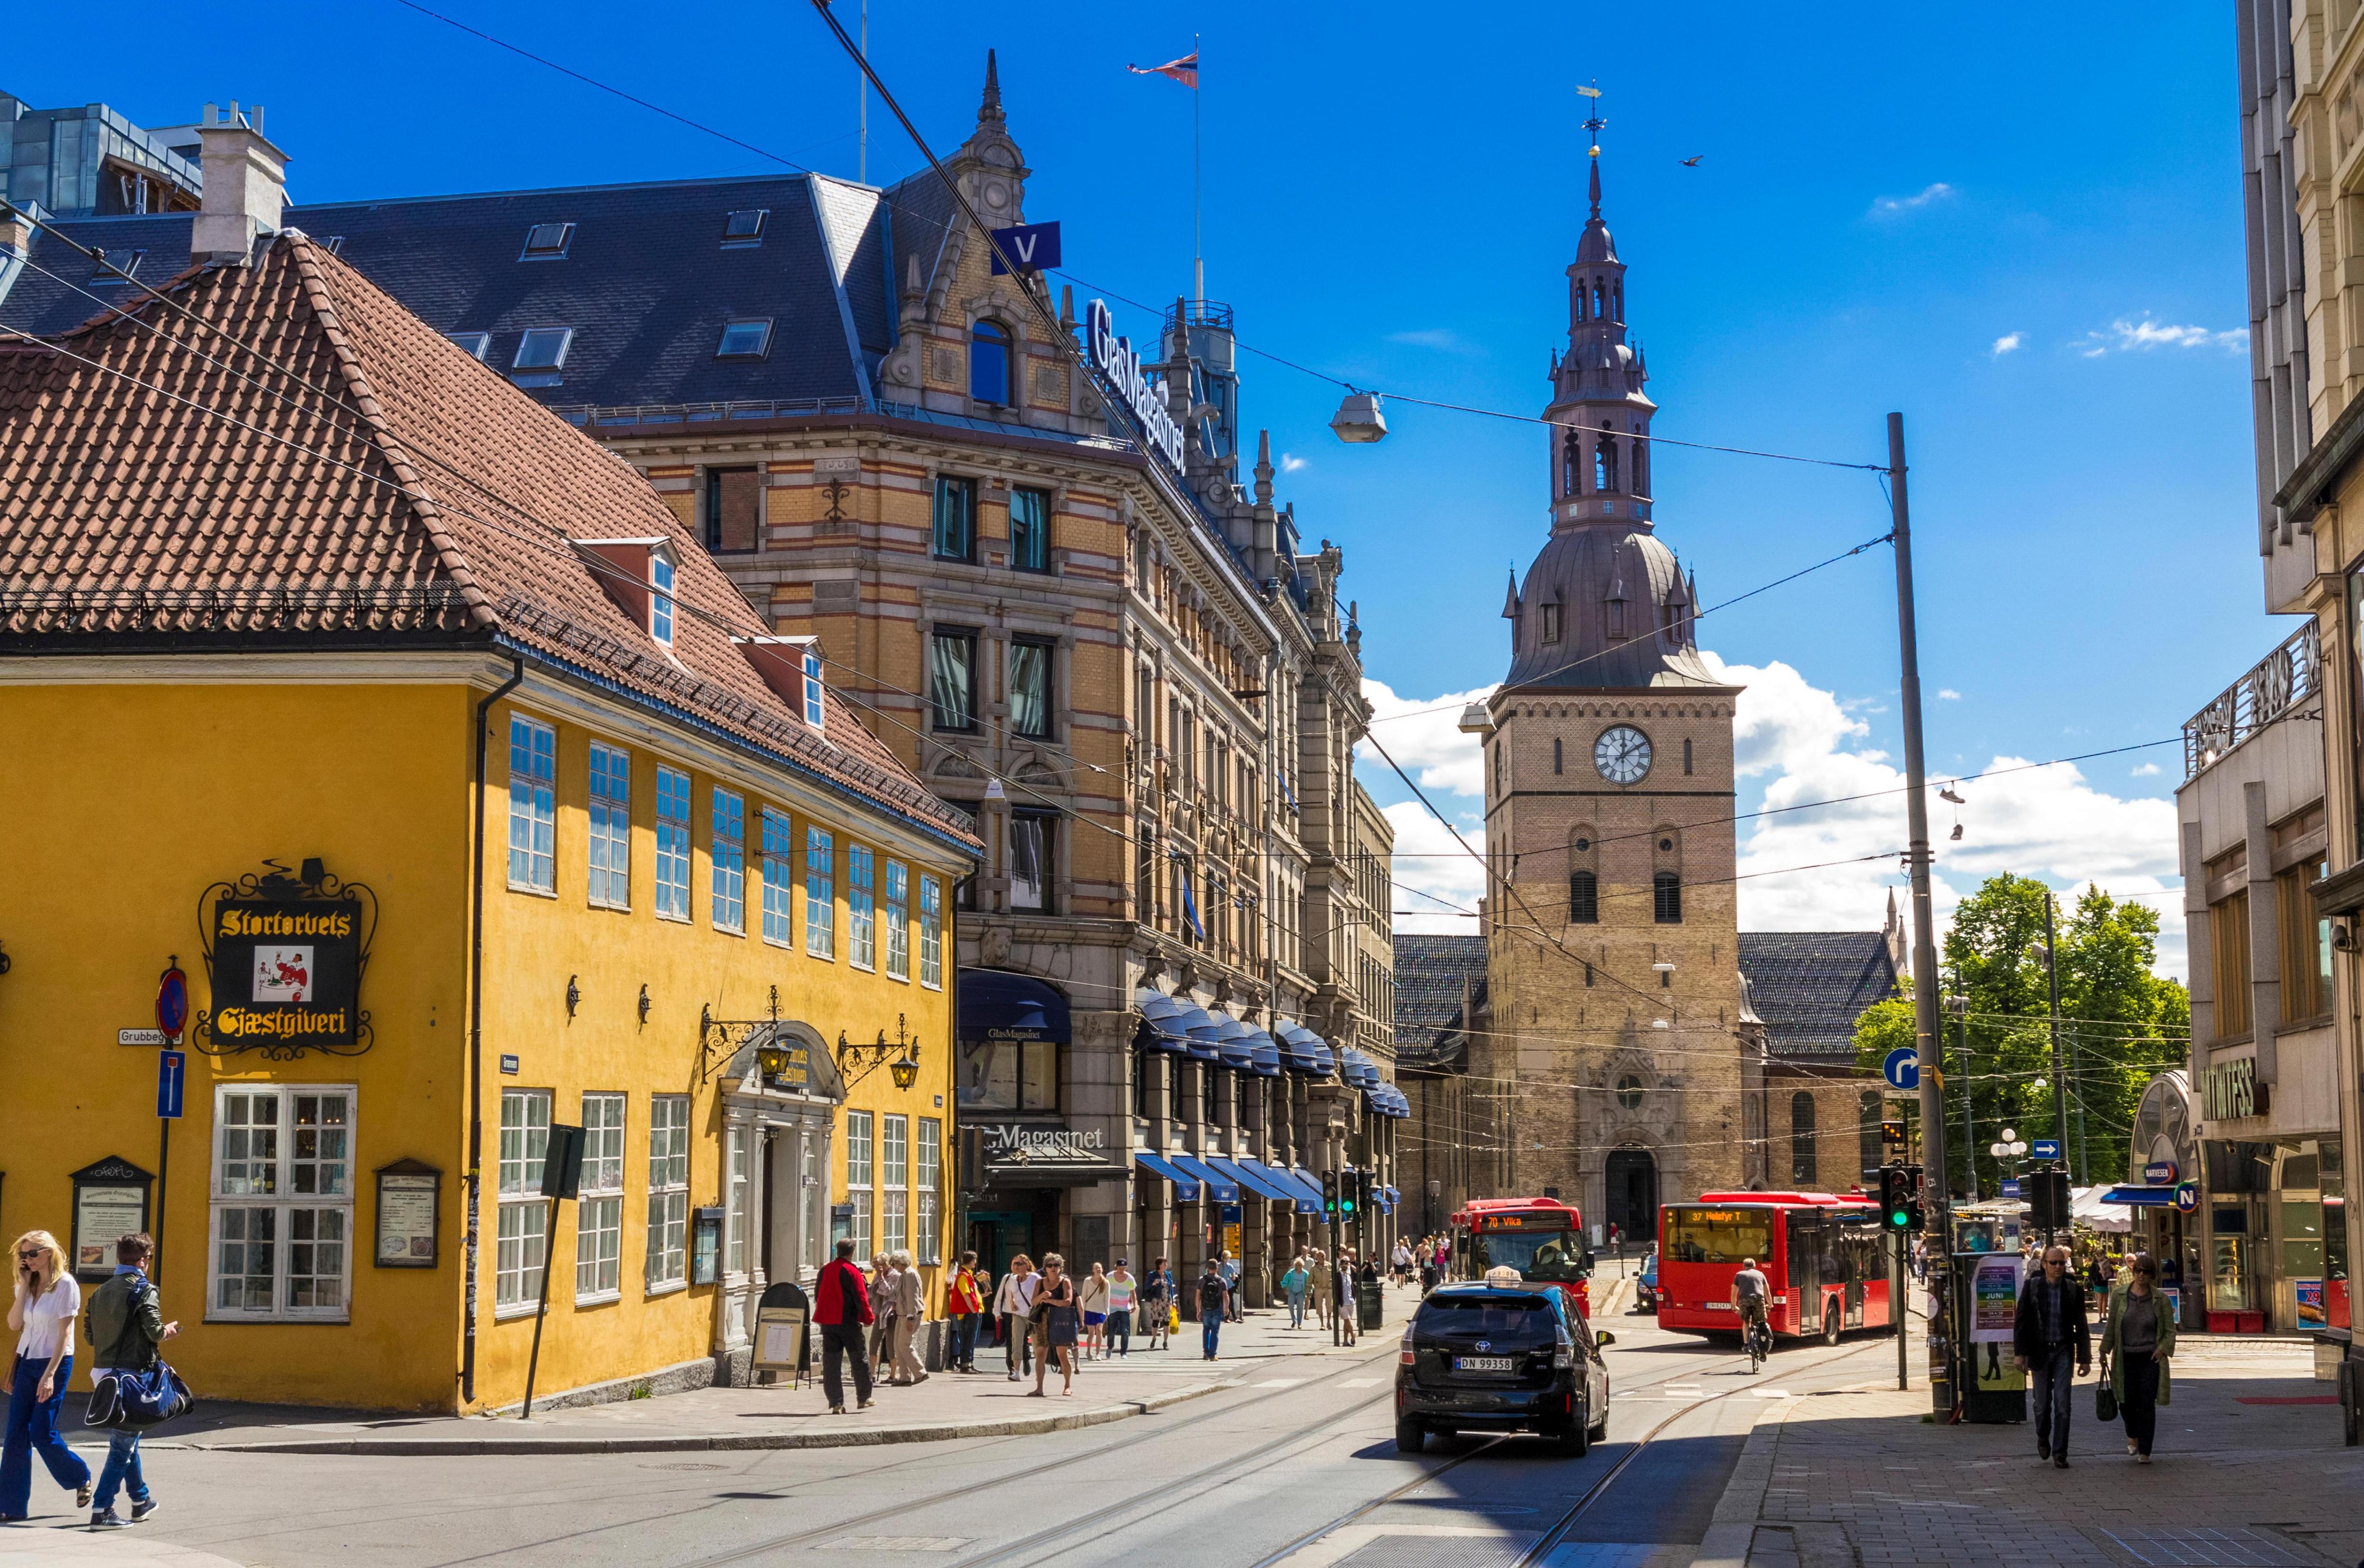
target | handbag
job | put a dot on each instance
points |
(2105, 1398)
(126, 1401)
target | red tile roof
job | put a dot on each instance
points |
(294, 456)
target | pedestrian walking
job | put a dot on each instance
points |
(2047, 1330)
(1343, 1301)
(964, 1309)
(126, 1326)
(910, 1313)
(1400, 1260)
(2136, 1341)
(1318, 1288)
(1054, 1326)
(1124, 1290)
(1428, 1265)
(1014, 1306)
(842, 1306)
(42, 1312)
(1093, 1298)
(881, 1285)
(1292, 1285)
(1214, 1296)
(1157, 1304)
(1229, 1268)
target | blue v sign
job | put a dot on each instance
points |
(1033, 246)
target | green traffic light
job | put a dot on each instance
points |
(1900, 1218)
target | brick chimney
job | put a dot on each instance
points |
(246, 186)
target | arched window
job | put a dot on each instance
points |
(1666, 891)
(1583, 899)
(1583, 302)
(1571, 465)
(1801, 1138)
(1629, 1092)
(989, 364)
(1618, 301)
(1604, 463)
(1641, 465)
(1866, 1111)
(1600, 301)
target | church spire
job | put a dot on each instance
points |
(989, 111)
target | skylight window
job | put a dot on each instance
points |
(661, 575)
(543, 348)
(744, 228)
(474, 342)
(745, 339)
(335, 243)
(547, 241)
(119, 266)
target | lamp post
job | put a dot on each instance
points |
(1958, 1008)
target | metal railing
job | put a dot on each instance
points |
(2278, 682)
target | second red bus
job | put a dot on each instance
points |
(1824, 1255)
(1540, 1237)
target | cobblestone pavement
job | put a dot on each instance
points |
(2249, 1469)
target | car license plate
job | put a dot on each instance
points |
(1485, 1363)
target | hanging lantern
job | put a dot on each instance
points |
(1358, 418)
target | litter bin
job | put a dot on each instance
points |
(1366, 1305)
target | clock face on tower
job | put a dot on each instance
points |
(1622, 755)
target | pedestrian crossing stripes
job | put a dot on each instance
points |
(1358, 1383)
(1279, 1383)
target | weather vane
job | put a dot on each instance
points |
(1595, 123)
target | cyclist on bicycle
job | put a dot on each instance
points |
(1750, 1292)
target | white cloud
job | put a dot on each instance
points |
(1443, 338)
(2145, 771)
(1896, 206)
(1802, 744)
(2008, 343)
(1290, 463)
(2123, 337)
(1948, 694)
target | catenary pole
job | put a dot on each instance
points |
(1927, 1041)
(2059, 1078)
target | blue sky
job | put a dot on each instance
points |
(1885, 193)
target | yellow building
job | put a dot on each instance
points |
(473, 799)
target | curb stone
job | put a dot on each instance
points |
(850, 1437)
(1733, 1532)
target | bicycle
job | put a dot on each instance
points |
(1756, 1336)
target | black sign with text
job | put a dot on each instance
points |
(286, 974)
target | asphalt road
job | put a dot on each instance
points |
(1299, 1467)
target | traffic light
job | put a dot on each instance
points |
(1895, 1199)
(2047, 1199)
(1891, 1135)
(1330, 1192)
(1350, 1191)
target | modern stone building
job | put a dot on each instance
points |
(1129, 670)
(1612, 958)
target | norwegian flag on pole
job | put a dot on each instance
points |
(1184, 70)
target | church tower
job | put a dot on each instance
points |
(1612, 958)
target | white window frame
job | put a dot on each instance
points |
(779, 879)
(665, 1267)
(894, 1182)
(898, 921)
(599, 1205)
(609, 855)
(932, 933)
(861, 907)
(663, 574)
(674, 813)
(287, 1166)
(524, 1213)
(820, 894)
(728, 833)
(533, 807)
(861, 1177)
(927, 1191)
(734, 1223)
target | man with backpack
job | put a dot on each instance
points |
(125, 1325)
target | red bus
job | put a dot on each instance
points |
(1824, 1256)
(1540, 1237)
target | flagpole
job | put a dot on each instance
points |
(1198, 222)
(862, 157)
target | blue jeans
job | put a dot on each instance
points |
(1120, 1331)
(2051, 1374)
(122, 1468)
(1212, 1322)
(33, 1429)
(964, 1351)
(1296, 1309)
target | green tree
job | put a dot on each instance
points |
(2120, 1023)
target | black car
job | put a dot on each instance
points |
(1501, 1359)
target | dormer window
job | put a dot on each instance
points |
(816, 712)
(791, 666)
(743, 228)
(547, 242)
(1551, 621)
(661, 576)
(747, 339)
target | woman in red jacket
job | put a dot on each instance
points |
(841, 1307)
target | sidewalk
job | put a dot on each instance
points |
(947, 1405)
(2249, 1469)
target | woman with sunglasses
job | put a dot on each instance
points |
(2136, 1343)
(42, 1312)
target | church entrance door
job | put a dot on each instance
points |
(1631, 1193)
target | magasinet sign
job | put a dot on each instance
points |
(286, 974)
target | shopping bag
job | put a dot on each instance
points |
(2105, 1398)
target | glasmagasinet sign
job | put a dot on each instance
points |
(287, 972)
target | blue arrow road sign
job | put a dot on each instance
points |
(171, 1068)
(1903, 1068)
(2045, 1148)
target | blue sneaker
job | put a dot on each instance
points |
(142, 1507)
(106, 1519)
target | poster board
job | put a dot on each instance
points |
(781, 1341)
(110, 1202)
(1994, 1388)
(409, 1212)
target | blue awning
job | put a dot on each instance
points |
(1221, 1188)
(1161, 1021)
(1379, 1196)
(1393, 1196)
(1266, 1054)
(998, 1006)
(1237, 1171)
(1201, 1028)
(2139, 1197)
(1309, 1182)
(1280, 1185)
(1186, 1186)
(1308, 1052)
(1231, 1039)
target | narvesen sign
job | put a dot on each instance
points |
(1114, 358)
(286, 974)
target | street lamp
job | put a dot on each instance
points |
(1359, 420)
